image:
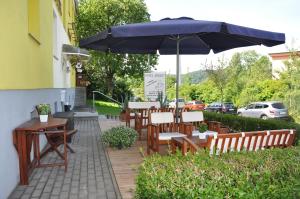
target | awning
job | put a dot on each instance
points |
(70, 52)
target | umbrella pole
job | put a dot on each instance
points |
(177, 77)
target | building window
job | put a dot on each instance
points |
(58, 5)
(55, 48)
(34, 19)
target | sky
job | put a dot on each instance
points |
(271, 15)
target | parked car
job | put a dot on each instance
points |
(264, 110)
(194, 105)
(172, 104)
(225, 107)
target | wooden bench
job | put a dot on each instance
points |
(247, 141)
(161, 130)
(141, 120)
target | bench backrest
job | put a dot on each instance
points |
(164, 120)
(251, 141)
(192, 116)
(162, 117)
(143, 105)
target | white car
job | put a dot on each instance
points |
(264, 110)
(181, 104)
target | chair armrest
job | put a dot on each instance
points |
(71, 132)
(186, 128)
(54, 132)
(153, 125)
(189, 144)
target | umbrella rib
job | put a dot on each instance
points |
(191, 36)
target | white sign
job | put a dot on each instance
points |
(153, 84)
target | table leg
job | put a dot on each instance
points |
(23, 164)
(65, 148)
(37, 150)
(184, 148)
(173, 146)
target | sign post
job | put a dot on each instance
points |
(154, 83)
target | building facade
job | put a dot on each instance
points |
(278, 60)
(33, 69)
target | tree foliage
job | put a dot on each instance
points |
(104, 68)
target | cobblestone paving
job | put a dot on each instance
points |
(89, 172)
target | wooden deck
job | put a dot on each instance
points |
(125, 162)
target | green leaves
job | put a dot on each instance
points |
(119, 137)
(43, 109)
(262, 174)
(105, 69)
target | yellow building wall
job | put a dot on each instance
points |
(25, 63)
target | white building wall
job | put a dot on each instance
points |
(61, 76)
(277, 67)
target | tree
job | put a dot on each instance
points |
(104, 68)
(218, 75)
(291, 78)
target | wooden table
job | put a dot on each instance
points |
(184, 145)
(28, 133)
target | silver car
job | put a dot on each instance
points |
(264, 110)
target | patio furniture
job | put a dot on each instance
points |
(134, 106)
(190, 121)
(245, 141)
(252, 141)
(191, 143)
(179, 36)
(142, 118)
(28, 133)
(161, 129)
(218, 127)
(55, 138)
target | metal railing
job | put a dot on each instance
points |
(120, 104)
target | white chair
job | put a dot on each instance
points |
(190, 120)
(161, 129)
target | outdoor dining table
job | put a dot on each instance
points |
(27, 134)
(200, 139)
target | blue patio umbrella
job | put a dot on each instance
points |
(180, 36)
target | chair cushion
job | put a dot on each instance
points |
(170, 135)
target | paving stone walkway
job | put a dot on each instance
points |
(89, 172)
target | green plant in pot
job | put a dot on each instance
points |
(43, 110)
(119, 137)
(202, 127)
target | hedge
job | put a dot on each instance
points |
(272, 173)
(239, 123)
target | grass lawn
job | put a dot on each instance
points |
(106, 108)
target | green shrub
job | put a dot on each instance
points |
(119, 137)
(239, 123)
(272, 173)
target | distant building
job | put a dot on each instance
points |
(278, 62)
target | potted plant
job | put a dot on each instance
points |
(202, 127)
(44, 110)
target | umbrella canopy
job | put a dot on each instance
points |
(179, 36)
